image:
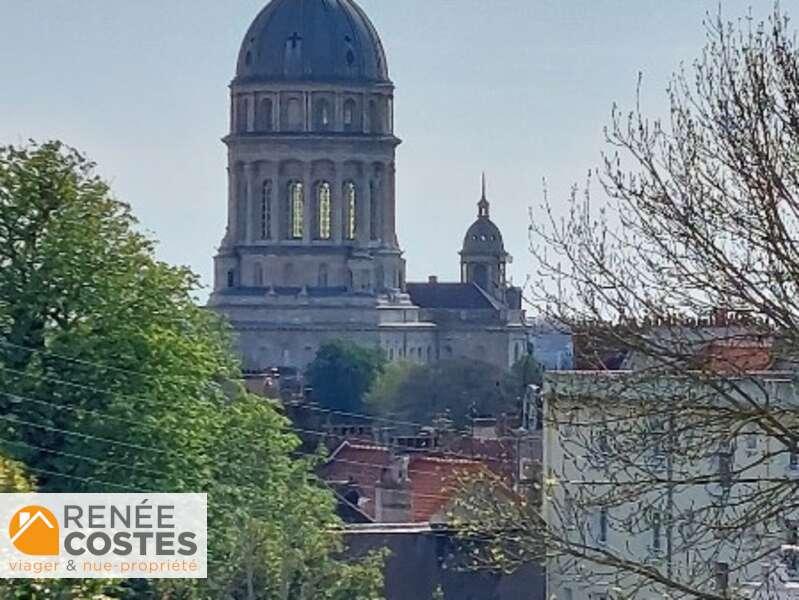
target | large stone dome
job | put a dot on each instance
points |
(312, 40)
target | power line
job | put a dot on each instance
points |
(361, 416)
(16, 420)
(309, 407)
(81, 457)
(86, 362)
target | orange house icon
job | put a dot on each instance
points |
(34, 531)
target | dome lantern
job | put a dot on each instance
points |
(483, 257)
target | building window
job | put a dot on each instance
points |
(323, 276)
(374, 119)
(351, 202)
(264, 116)
(657, 527)
(791, 555)
(602, 529)
(323, 210)
(323, 119)
(725, 466)
(241, 115)
(722, 577)
(266, 211)
(751, 442)
(374, 212)
(297, 204)
(231, 278)
(294, 115)
(569, 517)
(793, 458)
(601, 445)
(349, 115)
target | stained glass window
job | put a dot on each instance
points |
(297, 203)
(351, 202)
(324, 210)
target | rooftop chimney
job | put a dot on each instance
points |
(433, 279)
(393, 493)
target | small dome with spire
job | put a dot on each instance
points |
(484, 237)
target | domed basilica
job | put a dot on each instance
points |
(310, 252)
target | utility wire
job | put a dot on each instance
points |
(331, 459)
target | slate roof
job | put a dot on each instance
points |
(452, 296)
(312, 40)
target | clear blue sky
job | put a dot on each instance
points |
(519, 88)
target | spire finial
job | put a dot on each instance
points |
(482, 206)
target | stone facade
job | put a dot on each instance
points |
(310, 251)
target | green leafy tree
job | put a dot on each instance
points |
(113, 379)
(342, 373)
(459, 389)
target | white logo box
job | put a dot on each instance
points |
(103, 536)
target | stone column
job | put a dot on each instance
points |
(250, 174)
(362, 211)
(231, 234)
(277, 208)
(390, 207)
(337, 222)
(308, 191)
(378, 182)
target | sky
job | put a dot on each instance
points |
(520, 89)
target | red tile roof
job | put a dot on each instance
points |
(434, 483)
(737, 356)
(433, 479)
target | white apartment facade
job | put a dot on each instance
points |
(658, 478)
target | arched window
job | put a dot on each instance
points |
(323, 279)
(294, 115)
(349, 115)
(374, 119)
(374, 212)
(258, 275)
(266, 211)
(241, 115)
(323, 119)
(297, 206)
(324, 210)
(351, 203)
(264, 116)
